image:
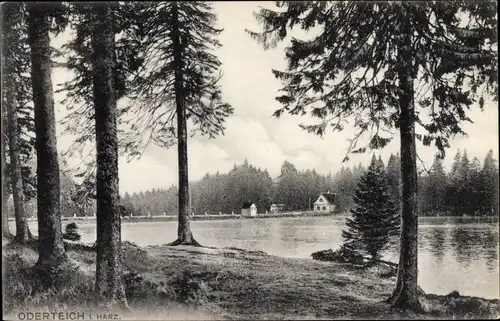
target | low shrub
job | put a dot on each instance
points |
(71, 232)
(343, 255)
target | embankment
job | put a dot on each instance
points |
(165, 282)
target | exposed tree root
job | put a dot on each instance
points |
(22, 241)
(189, 242)
(400, 301)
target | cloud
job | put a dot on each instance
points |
(144, 174)
(252, 133)
(247, 138)
(207, 157)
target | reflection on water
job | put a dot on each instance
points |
(460, 257)
(462, 240)
(490, 248)
(451, 257)
(437, 239)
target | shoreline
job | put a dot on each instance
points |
(223, 217)
(165, 282)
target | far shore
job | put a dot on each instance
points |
(217, 217)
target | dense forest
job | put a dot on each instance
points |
(469, 187)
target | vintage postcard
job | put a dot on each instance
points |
(302, 160)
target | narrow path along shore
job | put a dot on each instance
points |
(222, 217)
(185, 282)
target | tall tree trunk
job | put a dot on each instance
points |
(184, 234)
(5, 208)
(109, 273)
(5, 214)
(50, 241)
(23, 234)
(405, 295)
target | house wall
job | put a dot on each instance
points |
(249, 211)
(324, 208)
(275, 208)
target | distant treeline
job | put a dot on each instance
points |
(469, 188)
(225, 193)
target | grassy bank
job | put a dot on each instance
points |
(205, 283)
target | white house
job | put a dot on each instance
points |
(248, 209)
(325, 203)
(277, 208)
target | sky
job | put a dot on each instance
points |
(252, 132)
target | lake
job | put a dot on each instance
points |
(462, 257)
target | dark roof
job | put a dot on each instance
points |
(330, 197)
(246, 205)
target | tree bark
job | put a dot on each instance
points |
(109, 273)
(405, 295)
(184, 234)
(50, 242)
(5, 210)
(23, 235)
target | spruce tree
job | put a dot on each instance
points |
(15, 49)
(177, 86)
(394, 179)
(109, 281)
(384, 66)
(78, 94)
(40, 22)
(489, 177)
(435, 188)
(18, 120)
(375, 217)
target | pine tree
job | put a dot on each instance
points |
(489, 177)
(5, 208)
(475, 194)
(109, 274)
(375, 218)
(462, 182)
(50, 243)
(367, 64)
(452, 196)
(15, 47)
(345, 186)
(80, 119)
(433, 189)
(287, 191)
(178, 83)
(13, 98)
(394, 179)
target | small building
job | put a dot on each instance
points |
(248, 209)
(325, 203)
(277, 208)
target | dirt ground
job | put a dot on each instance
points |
(183, 282)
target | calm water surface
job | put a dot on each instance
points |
(461, 257)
